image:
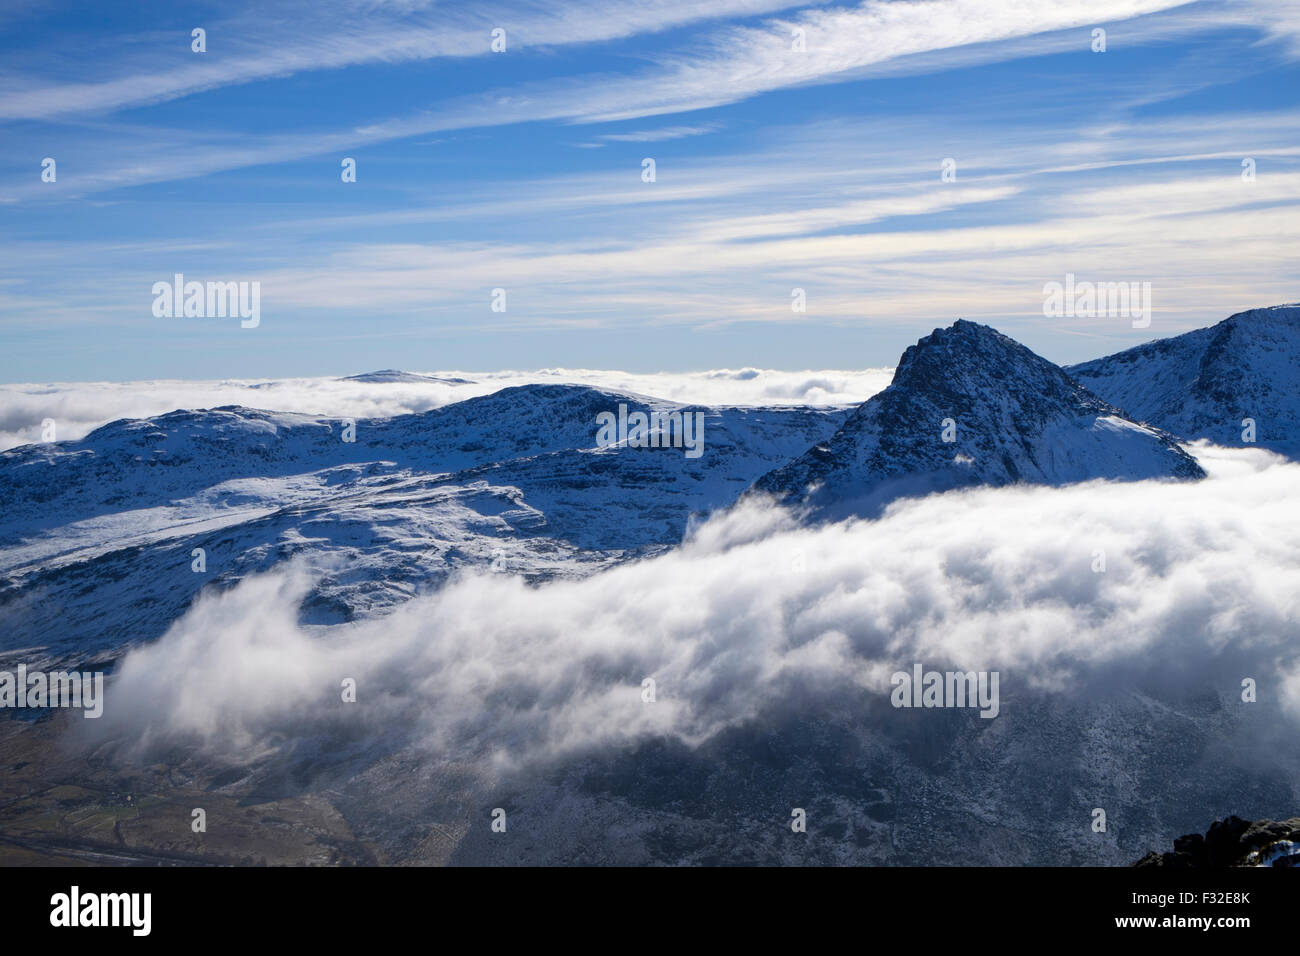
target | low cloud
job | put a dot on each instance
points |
(79, 408)
(1201, 589)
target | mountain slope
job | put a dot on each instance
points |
(392, 376)
(1203, 384)
(971, 406)
(151, 462)
(97, 537)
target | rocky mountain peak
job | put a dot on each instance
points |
(967, 406)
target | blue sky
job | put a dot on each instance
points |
(776, 169)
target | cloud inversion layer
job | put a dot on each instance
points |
(1201, 589)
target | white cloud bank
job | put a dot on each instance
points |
(1201, 589)
(79, 408)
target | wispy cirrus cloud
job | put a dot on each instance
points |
(699, 250)
(731, 64)
(278, 40)
(658, 135)
(813, 168)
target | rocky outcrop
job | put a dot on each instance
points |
(970, 406)
(1234, 842)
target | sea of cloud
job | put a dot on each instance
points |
(1200, 589)
(78, 408)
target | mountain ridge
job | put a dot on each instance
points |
(971, 406)
(515, 481)
(1204, 384)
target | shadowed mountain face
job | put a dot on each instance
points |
(1206, 383)
(969, 406)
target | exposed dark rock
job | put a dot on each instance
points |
(1234, 842)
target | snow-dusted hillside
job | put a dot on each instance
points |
(1204, 384)
(969, 406)
(105, 527)
(770, 640)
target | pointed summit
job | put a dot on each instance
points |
(970, 406)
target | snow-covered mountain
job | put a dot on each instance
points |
(392, 376)
(96, 556)
(513, 480)
(970, 406)
(1206, 383)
